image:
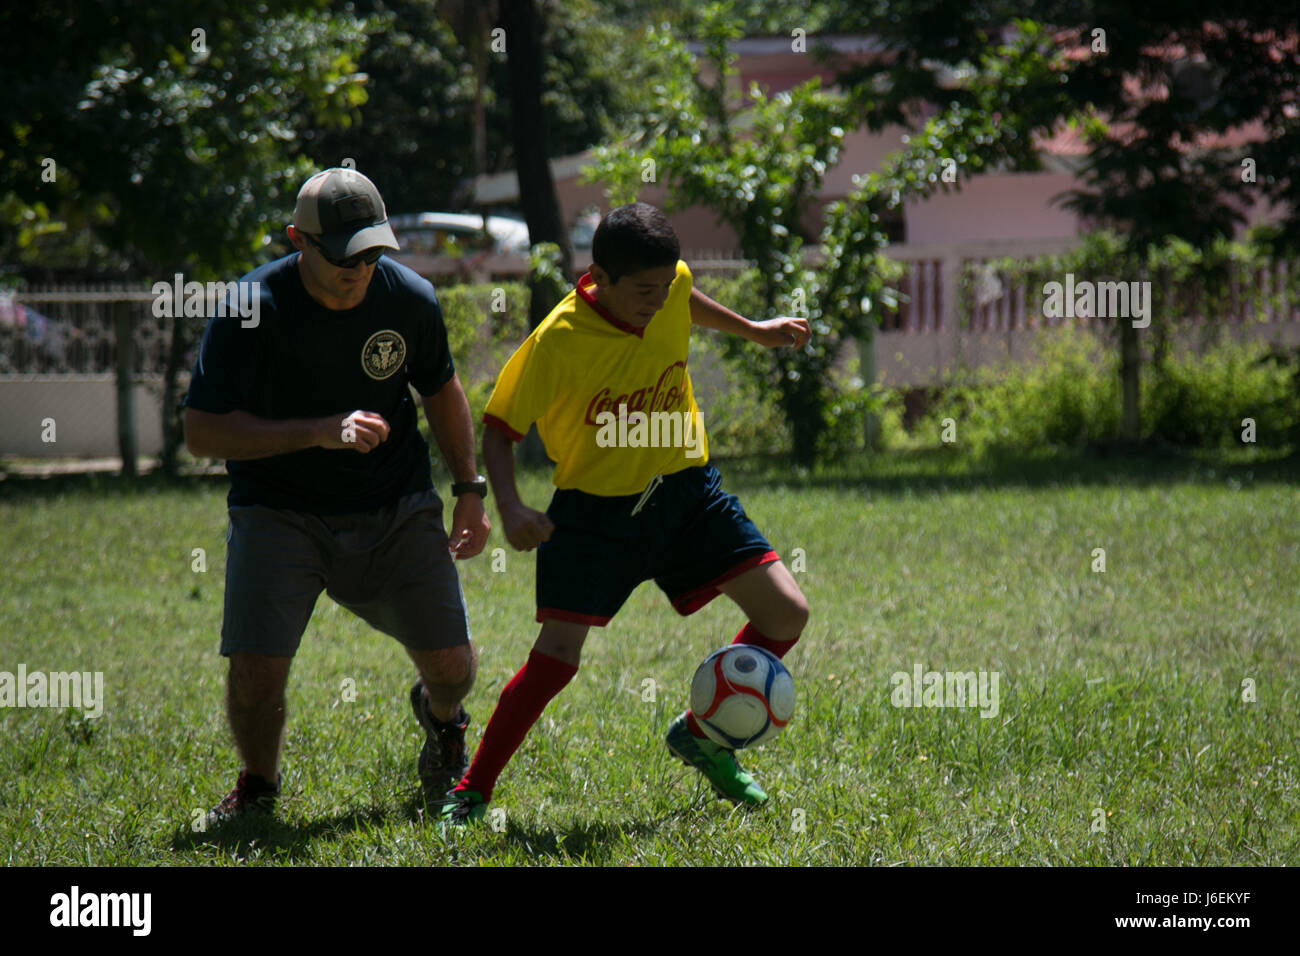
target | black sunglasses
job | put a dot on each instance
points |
(369, 257)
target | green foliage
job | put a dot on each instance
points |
(1063, 400)
(739, 292)
(1069, 397)
(1201, 76)
(846, 416)
(485, 312)
(181, 152)
(415, 135)
(485, 324)
(741, 417)
(998, 96)
(845, 401)
(757, 171)
(420, 88)
(546, 270)
(1202, 400)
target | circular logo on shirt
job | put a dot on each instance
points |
(383, 354)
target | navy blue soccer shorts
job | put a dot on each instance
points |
(689, 537)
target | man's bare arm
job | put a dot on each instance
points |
(453, 429)
(240, 436)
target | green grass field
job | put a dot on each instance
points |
(1122, 736)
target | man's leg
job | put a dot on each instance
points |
(447, 675)
(398, 577)
(273, 577)
(255, 705)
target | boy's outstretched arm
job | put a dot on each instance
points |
(525, 528)
(774, 333)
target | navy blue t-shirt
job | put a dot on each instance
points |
(302, 360)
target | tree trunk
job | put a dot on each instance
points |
(1130, 365)
(173, 432)
(480, 53)
(537, 197)
(124, 354)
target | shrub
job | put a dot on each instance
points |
(1201, 400)
(1071, 397)
(1066, 398)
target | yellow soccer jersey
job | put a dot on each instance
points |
(612, 402)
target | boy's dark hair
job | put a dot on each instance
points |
(632, 238)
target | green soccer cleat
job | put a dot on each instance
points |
(717, 763)
(462, 808)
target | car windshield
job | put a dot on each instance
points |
(444, 241)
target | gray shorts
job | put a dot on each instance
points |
(389, 567)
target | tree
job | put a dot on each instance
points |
(757, 171)
(438, 109)
(174, 129)
(416, 135)
(529, 129)
(1149, 86)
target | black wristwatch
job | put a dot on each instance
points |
(479, 485)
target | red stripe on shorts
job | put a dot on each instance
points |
(573, 617)
(694, 599)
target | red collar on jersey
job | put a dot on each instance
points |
(604, 313)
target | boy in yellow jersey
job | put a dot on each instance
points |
(604, 377)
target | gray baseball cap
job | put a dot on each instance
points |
(344, 209)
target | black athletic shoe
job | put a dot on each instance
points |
(443, 758)
(252, 795)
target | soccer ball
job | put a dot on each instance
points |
(742, 695)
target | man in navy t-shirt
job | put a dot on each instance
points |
(305, 390)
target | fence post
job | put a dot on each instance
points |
(124, 353)
(948, 341)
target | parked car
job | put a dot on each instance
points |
(453, 247)
(457, 234)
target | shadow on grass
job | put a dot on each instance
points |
(275, 837)
(591, 843)
(103, 485)
(587, 842)
(901, 472)
(939, 470)
(281, 841)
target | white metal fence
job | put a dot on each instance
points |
(59, 359)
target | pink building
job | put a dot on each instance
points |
(993, 214)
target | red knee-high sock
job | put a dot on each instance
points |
(749, 634)
(522, 702)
